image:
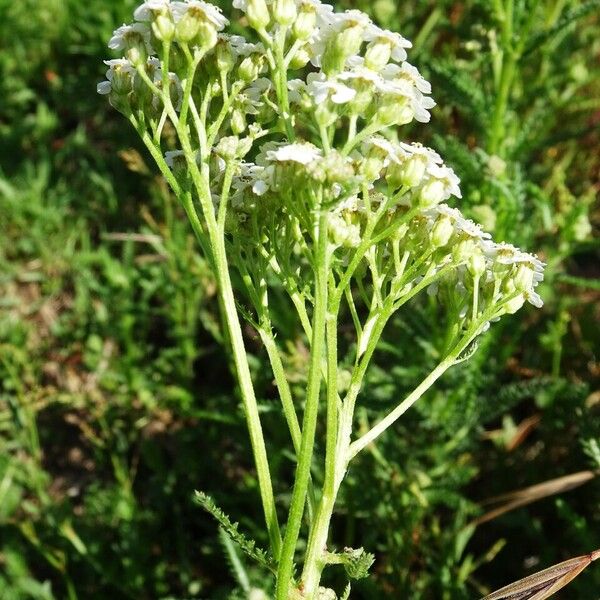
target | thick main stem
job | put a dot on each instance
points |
(286, 562)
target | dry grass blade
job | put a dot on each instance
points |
(544, 584)
(525, 496)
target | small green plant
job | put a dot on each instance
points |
(284, 151)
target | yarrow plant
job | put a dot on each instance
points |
(289, 165)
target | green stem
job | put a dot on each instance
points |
(286, 563)
(282, 87)
(217, 244)
(313, 565)
(394, 415)
(287, 402)
(508, 59)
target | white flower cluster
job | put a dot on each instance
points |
(362, 68)
(349, 74)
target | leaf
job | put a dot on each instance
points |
(246, 545)
(464, 91)
(544, 584)
(356, 562)
(579, 12)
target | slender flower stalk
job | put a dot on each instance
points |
(287, 164)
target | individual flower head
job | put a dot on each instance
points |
(241, 47)
(340, 36)
(150, 9)
(202, 11)
(321, 89)
(256, 11)
(407, 72)
(413, 164)
(384, 45)
(119, 77)
(127, 37)
(440, 183)
(302, 153)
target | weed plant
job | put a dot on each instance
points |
(116, 394)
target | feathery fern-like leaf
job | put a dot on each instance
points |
(246, 545)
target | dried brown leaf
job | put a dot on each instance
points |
(544, 584)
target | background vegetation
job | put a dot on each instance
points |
(116, 398)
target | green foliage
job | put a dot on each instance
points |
(246, 545)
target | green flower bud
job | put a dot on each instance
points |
(432, 193)
(378, 55)
(121, 102)
(249, 69)
(409, 173)
(350, 39)
(523, 278)
(464, 250)
(371, 167)
(137, 55)
(284, 12)
(476, 264)
(340, 47)
(225, 58)
(324, 116)
(207, 36)
(394, 111)
(258, 14)
(300, 59)
(442, 232)
(187, 28)
(163, 28)
(515, 304)
(227, 147)
(344, 234)
(305, 23)
(238, 121)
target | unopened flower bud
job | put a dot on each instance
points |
(523, 278)
(187, 28)
(238, 121)
(284, 12)
(324, 116)
(163, 28)
(207, 36)
(512, 306)
(225, 59)
(463, 251)
(300, 59)
(249, 69)
(432, 193)
(136, 55)
(394, 111)
(476, 264)
(371, 167)
(378, 55)
(350, 39)
(227, 147)
(442, 232)
(258, 14)
(340, 47)
(305, 23)
(409, 173)
(344, 233)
